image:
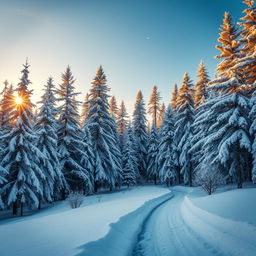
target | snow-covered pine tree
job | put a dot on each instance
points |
(229, 46)
(167, 172)
(47, 143)
(122, 122)
(70, 143)
(253, 134)
(183, 130)
(21, 158)
(85, 109)
(7, 106)
(161, 116)
(152, 167)
(174, 98)
(130, 164)
(246, 65)
(140, 133)
(201, 85)
(113, 109)
(227, 141)
(154, 105)
(102, 127)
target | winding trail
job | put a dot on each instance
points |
(178, 228)
(165, 233)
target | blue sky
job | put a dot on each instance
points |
(139, 42)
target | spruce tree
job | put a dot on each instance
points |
(152, 168)
(122, 123)
(161, 116)
(130, 164)
(174, 98)
(140, 133)
(201, 85)
(113, 109)
(47, 143)
(246, 64)
(183, 129)
(165, 157)
(229, 45)
(154, 105)
(21, 158)
(85, 109)
(107, 168)
(70, 144)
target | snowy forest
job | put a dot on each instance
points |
(61, 146)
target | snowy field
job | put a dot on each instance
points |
(149, 221)
(60, 231)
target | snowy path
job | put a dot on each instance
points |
(179, 228)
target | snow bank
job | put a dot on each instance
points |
(226, 236)
(124, 234)
(60, 231)
(238, 205)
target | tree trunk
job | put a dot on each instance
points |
(155, 180)
(14, 208)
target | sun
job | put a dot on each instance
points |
(18, 100)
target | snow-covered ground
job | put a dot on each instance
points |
(60, 231)
(155, 222)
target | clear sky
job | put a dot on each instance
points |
(139, 42)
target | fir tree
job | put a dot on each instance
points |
(183, 129)
(165, 155)
(107, 168)
(21, 158)
(85, 109)
(154, 105)
(174, 98)
(70, 144)
(113, 109)
(161, 116)
(201, 85)
(130, 170)
(122, 123)
(229, 48)
(152, 169)
(140, 133)
(246, 64)
(46, 128)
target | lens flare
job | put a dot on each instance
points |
(18, 100)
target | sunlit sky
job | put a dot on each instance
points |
(139, 42)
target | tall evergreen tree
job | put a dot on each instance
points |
(140, 133)
(70, 145)
(47, 143)
(183, 129)
(229, 45)
(174, 98)
(165, 157)
(130, 164)
(122, 123)
(161, 116)
(201, 85)
(152, 165)
(246, 64)
(85, 109)
(113, 109)
(154, 105)
(107, 168)
(21, 158)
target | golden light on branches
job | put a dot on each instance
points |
(18, 100)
